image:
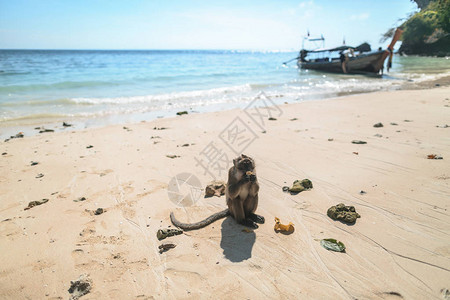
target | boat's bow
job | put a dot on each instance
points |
(390, 49)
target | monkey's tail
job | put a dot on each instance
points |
(201, 224)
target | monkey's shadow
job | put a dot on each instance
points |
(237, 245)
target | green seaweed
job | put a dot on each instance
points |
(333, 245)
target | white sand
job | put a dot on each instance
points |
(400, 247)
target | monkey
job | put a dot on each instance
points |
(242, 192)
(241, 197)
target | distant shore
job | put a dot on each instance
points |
(398, 248)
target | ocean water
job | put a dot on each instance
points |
(106, 87)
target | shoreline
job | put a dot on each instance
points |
(80, 123)
(399, 246)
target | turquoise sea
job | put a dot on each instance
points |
(94, 88)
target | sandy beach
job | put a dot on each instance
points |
(398, 249)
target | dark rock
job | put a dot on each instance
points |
(80, 287)
(80, 199)
(66, 124)
(358, 142)
(394, 124)
(166, 247)
(272, 119)
(299, 186)
(89, 147)
(215, 188)
(35, 203)
(17, 136)
(378, 125)
(46, 130)
(33, 163)
(99, 211)
(40, 175)
(180, 113)
(427, 47)
(346, 214)
(164, 233)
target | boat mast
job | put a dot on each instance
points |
(307, 38)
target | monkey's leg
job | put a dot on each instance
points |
(256, 218)
(239, 214)
(250, 206)
(249, 223)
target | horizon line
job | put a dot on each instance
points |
(148, 49)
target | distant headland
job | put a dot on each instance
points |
(426, 32)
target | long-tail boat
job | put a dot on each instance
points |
(347, 59)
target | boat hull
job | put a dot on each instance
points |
(364, 63)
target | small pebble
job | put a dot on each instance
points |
(79, 199)
(358, 142)
(46, 130)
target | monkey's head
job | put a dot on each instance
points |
(244, 163)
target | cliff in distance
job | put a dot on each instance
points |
(426, 32)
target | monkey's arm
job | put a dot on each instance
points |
(234, 185)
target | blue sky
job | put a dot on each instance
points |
(176, 24)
